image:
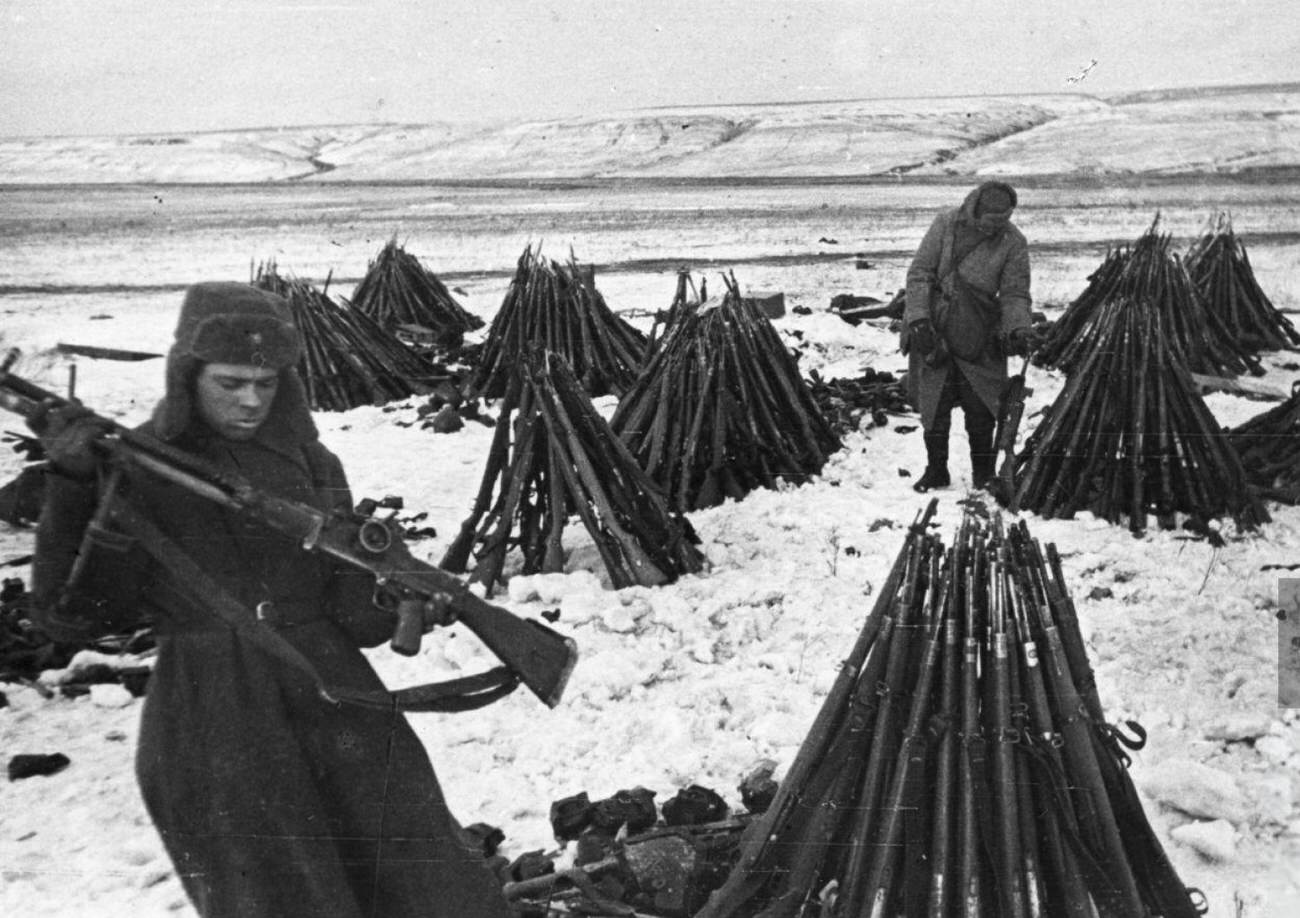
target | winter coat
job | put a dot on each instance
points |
(271, 801)
(998, 266)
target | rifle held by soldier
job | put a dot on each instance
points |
(537, 656)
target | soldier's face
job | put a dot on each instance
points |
(234, 399)
(991, 224)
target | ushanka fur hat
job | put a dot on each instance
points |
(223, 322)
(227, 322)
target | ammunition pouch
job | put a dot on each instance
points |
(570, 815)
(633, 808)
(694, 805)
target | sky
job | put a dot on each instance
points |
(149, 66)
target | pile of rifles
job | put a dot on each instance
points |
(553, 455)
(398, 290)
(1269, 443)
(348, 360)
(1129, 436)
(1149, 273)
(558, 308)
(961, 763)
(1269, 447)
(720, 408)
(1221, 270)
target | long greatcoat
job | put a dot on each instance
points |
(271, 801)
(996, 265)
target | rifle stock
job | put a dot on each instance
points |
(541, 658)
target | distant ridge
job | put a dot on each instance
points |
(1193, 92)
(1214, 129)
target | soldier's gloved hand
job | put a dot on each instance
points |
(67, 433)
(417, 616)
(1020, 341)
(438, 612)
(924, 338)
(434, 612)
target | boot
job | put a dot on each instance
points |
(983, 458)
(982, 469)
(936, 464)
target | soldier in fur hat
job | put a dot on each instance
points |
(967, 309)
(270, 800)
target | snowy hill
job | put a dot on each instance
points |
(1161, 132)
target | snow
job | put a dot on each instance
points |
(698, 681)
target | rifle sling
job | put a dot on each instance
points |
(1097, 874)
(467, 693)
(1158, 882)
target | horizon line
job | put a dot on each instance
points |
(1117, 97)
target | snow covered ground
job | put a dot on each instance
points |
(696, 681)
(1180, 131)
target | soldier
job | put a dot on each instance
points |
(270, 800)
(967, 309)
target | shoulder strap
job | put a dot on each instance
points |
(955, 255)
(949, 244)
(197, 587)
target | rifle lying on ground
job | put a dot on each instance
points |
(534, 654)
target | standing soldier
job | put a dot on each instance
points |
(271, 800)
(967, 309)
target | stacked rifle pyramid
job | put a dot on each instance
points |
(553, 455)
(348, 360)
(1151, 274)
(1129, 435)
(961, 763)
(397, 290)
(1269, 443)
(557, 307)
(720, 408)
(1220, 268)
(1269, 447)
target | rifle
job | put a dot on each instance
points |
(971, 786)
(534, 654)
(1011, 408)
(1068, 894)
(1084, 769)
(861, 854)
(1153, 872)
(909, 757)
(1026, 807)
(812, 832)
(1007, 867)
(945, 781)
(759, 850)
